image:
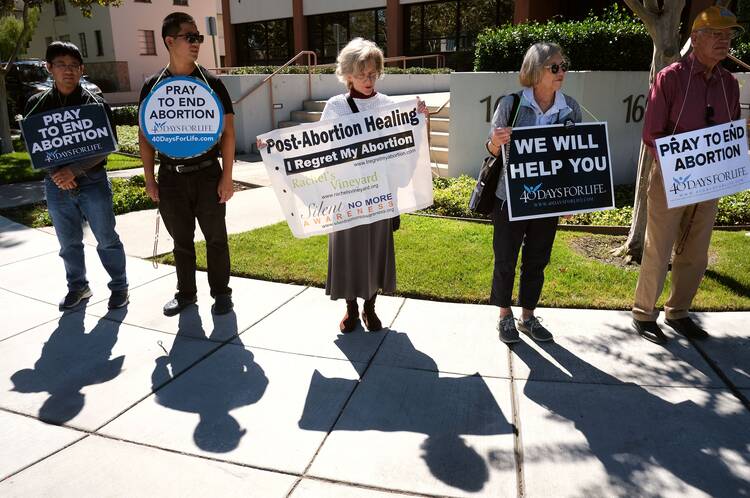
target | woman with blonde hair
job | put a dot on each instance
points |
(361, 260)
(539, 103)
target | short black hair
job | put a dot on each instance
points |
(58, 48)
(172, 23)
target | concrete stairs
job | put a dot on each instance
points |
(439, 128)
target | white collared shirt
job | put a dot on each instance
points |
(549, 117)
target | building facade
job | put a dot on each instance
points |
(122, 46)
(270, 32)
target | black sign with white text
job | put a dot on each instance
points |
(68, 134)
(557, 170)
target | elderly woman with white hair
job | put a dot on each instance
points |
(361, 260)
(540, 103)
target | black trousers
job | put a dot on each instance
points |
(534, 238)
(183, 198)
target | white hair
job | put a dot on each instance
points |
(355, 56)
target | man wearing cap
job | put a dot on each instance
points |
(693, 93)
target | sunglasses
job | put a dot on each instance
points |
(709, 115)
(556, 68)
(191, 37)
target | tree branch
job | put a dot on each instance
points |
(641, 11)
(21, 37)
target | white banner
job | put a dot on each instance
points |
(354, 170)
(704, 164)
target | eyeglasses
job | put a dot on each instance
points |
(364, 77)
(61, 66)
(191, 37)
(555, 68)
(720, 34)
(709, 115)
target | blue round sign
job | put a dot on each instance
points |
(182, 117)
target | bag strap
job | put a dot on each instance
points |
(352, 104)
(514, 108)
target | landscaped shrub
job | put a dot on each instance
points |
(125, 115)
(129, 194)
(127, 139)
(332, 70)
(614, 41)
(451, 198)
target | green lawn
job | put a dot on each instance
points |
(16, 166)
(452, 261)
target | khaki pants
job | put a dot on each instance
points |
(683, 233)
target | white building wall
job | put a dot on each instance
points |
(71, 24)
(131, 17)
(259, 10)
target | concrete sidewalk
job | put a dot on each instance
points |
(270, 401)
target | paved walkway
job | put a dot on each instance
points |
(269, 401)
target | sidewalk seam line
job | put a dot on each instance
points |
(53, 251)
(723, 376)
(517, 436)
(347, 400)
(193, 364)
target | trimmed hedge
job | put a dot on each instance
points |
(125, 115)
(614, 41)
(451, 198)
(127, 139)
(332, 70)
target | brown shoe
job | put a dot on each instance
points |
(349, 322)
(370, 319)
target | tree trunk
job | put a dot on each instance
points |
(664, 27)
(7, 143)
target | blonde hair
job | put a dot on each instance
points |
(354, 58)
(536, 56)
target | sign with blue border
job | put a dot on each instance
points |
(182, 117)
(67, 135)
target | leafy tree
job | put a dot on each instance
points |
(7, 8)
(11, 29)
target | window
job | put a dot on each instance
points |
(146, 41)
(82, 44)
(267, 42)
(181, 2)
(59, 8)
(329, 33)
(99, 44)
(451, 26)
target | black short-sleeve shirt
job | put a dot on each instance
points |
(216, 85)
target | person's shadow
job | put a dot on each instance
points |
(228, 379)
(421, 401)
(72, 359)
(635, 433)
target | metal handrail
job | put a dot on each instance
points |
(441, 107)
(738, 62)
(439, 60)
(310, 56)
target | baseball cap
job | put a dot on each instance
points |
(716, 17)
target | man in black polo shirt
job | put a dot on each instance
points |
(80, 191)
(195, 188)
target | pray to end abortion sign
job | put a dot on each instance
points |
(66, 135)
(558, 169)
(704, 164)
(353, 170)
(182, 117)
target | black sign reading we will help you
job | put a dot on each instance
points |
(558, 169)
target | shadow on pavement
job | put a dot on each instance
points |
(417, 401)
(72, 359)
(635, 433)
(228, 379)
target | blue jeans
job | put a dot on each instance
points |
(92, 202)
